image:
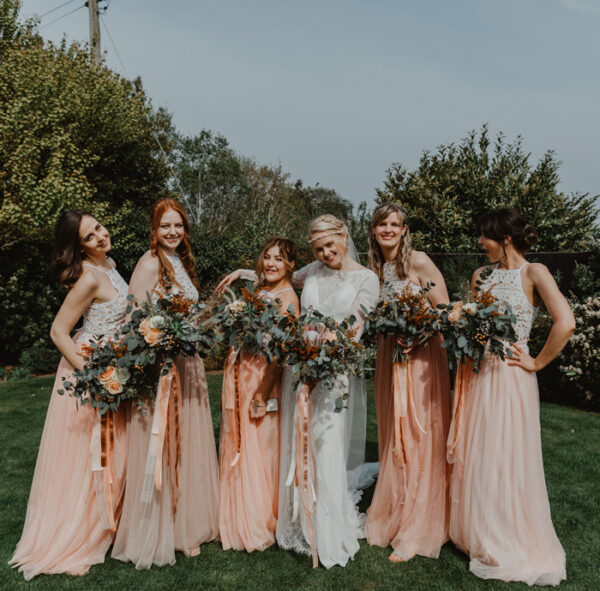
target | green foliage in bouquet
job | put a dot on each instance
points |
(322, 350)
(406, 315)
(471, 329)
(129, 366)
(251, 323)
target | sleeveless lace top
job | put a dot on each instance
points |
(393, 284)
(103, 319)
(505, 284)
(186, 288)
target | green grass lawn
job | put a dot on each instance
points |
(571, 440)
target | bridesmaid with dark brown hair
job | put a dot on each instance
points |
(184, 513)
(75, 495)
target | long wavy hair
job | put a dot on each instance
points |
(287, 249)
(376, 258)
(67, 257)
(166, 273)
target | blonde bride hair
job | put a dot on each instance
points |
(328, 225)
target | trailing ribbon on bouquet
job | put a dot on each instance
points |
(167, 425)
(403, 399)
(231, 406)
(305, 465)
(457, 412)
(102, 447)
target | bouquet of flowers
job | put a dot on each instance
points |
(471, 329)
(129, 366)
(251, 323)
(321, 350)
(406, 315)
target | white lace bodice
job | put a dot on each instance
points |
(339, 293)
(185, 286)
(505, 284)
(103, 319)
(393, 284)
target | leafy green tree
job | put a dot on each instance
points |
(455, 184)
(71, 135)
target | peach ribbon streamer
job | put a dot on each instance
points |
(305, 465)
(231, 405)
(166, 428)
(457, 412)
(102, 458)
(403, 399)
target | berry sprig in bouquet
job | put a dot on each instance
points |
(253, 324)
(472, 329)
(322, 350)
(407, 315)
(129, 365)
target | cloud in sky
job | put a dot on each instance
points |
(338, 90)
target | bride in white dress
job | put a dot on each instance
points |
(336, 286)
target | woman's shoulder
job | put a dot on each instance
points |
(148, 262)
(419, 260)
(88, 281)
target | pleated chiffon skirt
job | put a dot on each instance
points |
(249, 472)
(500, 513)
(149, 533)
(410, 510)
(63, 531)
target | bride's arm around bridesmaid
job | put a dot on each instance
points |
(500, 514)
(71, 515)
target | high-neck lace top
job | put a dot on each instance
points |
(505, 284)
(104, 318)
(392, 284)
(184, 285)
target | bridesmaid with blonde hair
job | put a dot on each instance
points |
(409, 510)
(76, 491)
(500, 514)
(183, 514)
(249, 447)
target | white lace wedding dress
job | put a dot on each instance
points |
(337, 439)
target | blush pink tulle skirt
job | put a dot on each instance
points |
(500, 514)
(149, 533)
(63, 532)
(409, 511)
(249, 460)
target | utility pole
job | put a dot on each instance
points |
(94, 31)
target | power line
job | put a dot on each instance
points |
(56, 8)
(112, 42)
(63, 16)
(154, 134)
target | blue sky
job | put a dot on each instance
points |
(338, 90)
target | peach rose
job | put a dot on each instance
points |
(151, 335)
(108, 375)
(454, 316)
(114, 387)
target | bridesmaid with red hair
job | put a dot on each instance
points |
(183, 514)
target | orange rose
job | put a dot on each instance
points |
(108, 375)
(151, 335)
(114, 387)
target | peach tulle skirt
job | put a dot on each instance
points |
(249, 488)
(409, 510)
(149, 533)
(500, 514)
(63, 532)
